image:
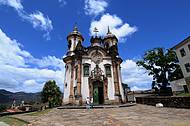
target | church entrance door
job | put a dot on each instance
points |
(98, 92)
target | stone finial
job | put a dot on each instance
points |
(75, 28)
(109, 32)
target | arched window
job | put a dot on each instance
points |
(86, 69)
(75, 91)
(108, 70)
(66, 67)
(106, 45)
(69, 45)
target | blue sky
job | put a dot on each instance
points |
(33, 35)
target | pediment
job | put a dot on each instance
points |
(92, 50)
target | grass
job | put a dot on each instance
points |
(184, 94)
(13, 121)
(38, 113)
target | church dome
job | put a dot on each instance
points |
(75, 32)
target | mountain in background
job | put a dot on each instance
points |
(7, 97)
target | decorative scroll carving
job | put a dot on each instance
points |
(97, 73)
(97, 57)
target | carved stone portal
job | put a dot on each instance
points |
(98, 86)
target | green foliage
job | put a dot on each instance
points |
(184, 94)
(2, 108)
(51, 94)
(162, 65)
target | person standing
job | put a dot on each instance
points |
(87, 103)
(91, 102)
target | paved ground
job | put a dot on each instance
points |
(138, 115)
(3, 124)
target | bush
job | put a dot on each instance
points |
(2, 108)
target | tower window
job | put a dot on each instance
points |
(108, 70)
(106, 45)
(69, 45)
(183, 53)
(86, 69)
(66, 67)
(187, 67)
(189, 47)
(75, 91)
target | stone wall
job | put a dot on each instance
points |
(177, 102)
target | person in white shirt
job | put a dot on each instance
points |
(91, 102)
(87, 103)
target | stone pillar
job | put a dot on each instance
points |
(118, 86)
(71, 96)
(117, 75)
(116, 82)
(90, 87)
(106, 100)
(79, 96)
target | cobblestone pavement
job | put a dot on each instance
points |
(138, 115)
(3, 124)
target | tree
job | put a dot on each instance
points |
(2, 108)
(162, 65)
(51, 94)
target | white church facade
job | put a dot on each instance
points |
(92, 71)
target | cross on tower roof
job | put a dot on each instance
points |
(95, 31)
(75, 27)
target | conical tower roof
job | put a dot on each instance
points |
(109, 35)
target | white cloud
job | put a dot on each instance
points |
(62, 2)
(20, 71)
(30, 83)
(18, 79)
(11, 53)
(117, 27)
(136, 77)
(95, 7)
(49, 61)
(37, 19)
(16, 4)
(135, 88)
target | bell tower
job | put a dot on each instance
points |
(73, 39)
(110, 39)
(95, 39)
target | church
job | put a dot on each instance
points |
(94, 71)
